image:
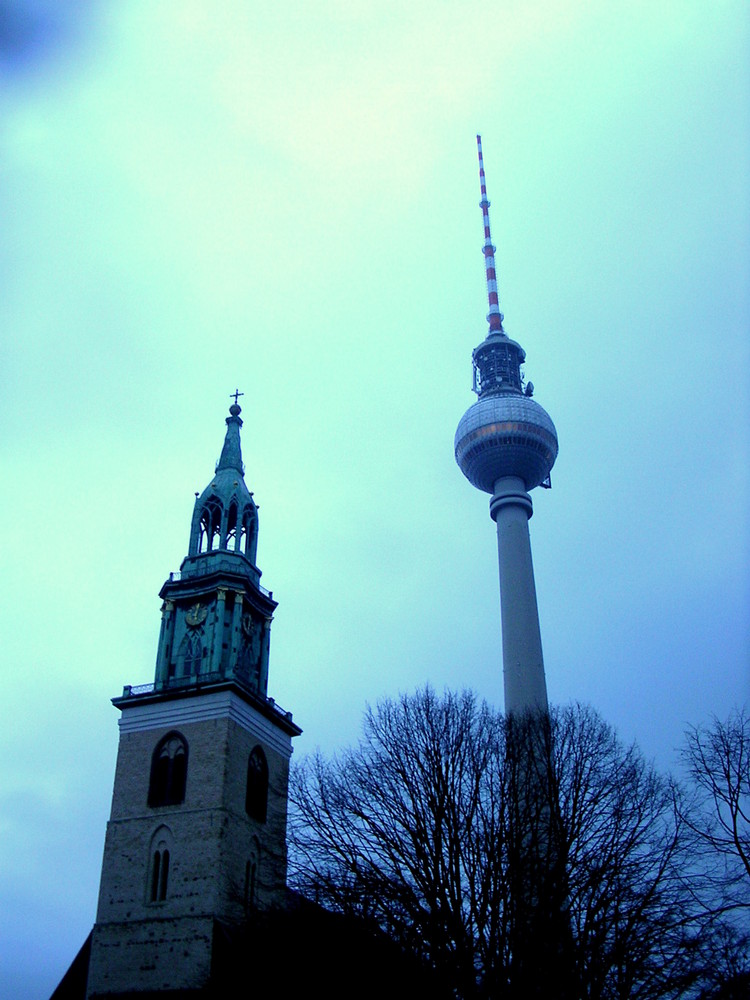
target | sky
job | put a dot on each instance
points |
(283, 199)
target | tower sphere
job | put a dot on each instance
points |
(505, 435)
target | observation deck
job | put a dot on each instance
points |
(507, 434)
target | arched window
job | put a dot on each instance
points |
(248, 661)
(159, 856)
(249, 530)
(233, 541)
(210, 526)
(248, 665)
(256, 794)
(191, 650)
(159, 876)
(168, 772)
(251, 882)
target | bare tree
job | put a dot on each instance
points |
(610, 889)
(401, 829)
(521, 857)
(718, 760)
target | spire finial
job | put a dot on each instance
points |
(235, 408)
(494, 316)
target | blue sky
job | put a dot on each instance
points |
(286, 200)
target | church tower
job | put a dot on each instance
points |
(197, 834)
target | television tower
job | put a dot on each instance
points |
(506, 445)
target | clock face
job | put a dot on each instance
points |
(196, 615)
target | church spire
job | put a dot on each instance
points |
(231, 453)
(225, 516)
(217, 616)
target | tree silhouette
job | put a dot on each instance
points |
(718, 760)
(533, 856)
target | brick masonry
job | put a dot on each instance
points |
(214, 846)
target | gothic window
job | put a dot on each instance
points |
(159, 858)
(248, 667)
(256, 794)
(251, 882)
(193, 654)
(168, 772)
(210, 526)
(249, 528)
(159, 876)
(232, 540)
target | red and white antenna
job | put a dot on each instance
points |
(494, 316)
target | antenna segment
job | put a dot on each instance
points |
(494, 316)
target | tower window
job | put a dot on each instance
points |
(168, 771)
(249, 528)
(233, 540)
(159, 855)
(251, 884)
(210, 525)
(193, 656)
(248, 666)
(159, 876)
(256, 795)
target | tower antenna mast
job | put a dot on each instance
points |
(494, 317)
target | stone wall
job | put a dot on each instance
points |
(222, 862)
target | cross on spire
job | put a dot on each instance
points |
(235, 395)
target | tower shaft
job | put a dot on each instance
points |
(524, 684)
